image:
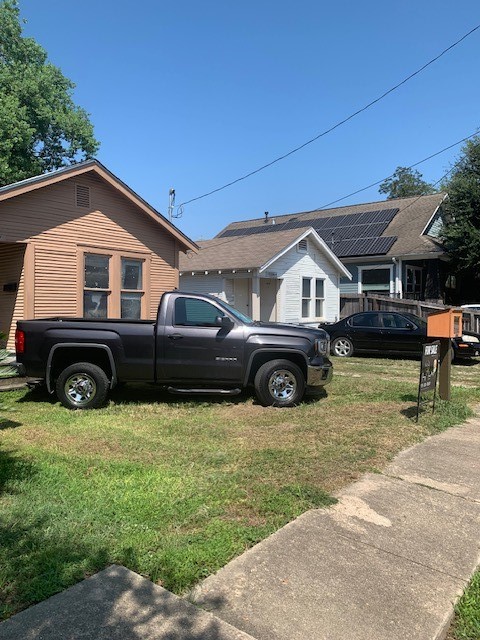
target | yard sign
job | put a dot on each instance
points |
(428, 373)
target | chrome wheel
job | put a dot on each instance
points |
(80, 388)
(342, 347)
(282, 384)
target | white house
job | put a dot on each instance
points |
(289, 276)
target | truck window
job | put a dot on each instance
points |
(190, 312)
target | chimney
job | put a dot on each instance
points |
(266, 217)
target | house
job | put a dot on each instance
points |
(79, 242)
(390, 247)
(287, 276)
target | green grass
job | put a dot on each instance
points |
(467, 613)
(175, 489)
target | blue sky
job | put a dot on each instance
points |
(192, 95)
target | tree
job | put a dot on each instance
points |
(404, 183)
(41, 128)
(461, 233)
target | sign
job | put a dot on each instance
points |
(428, 373)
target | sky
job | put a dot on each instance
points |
(194, 94)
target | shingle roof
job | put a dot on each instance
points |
(407, 225)
(251, 252)
(37, 182)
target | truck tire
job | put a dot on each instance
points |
(82, 386)
(279, 383)
(342, 347)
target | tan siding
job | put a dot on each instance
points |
(58, 228)
(11, 303)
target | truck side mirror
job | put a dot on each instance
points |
(224, 322)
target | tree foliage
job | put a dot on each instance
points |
(461, 233)
(41, 128)
(404, 183)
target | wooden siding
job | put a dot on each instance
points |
(210, 283)
(11, 303)
(292, 267)
(59, 230)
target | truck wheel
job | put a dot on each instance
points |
(342, 347)
(279, 383)
(82, 386)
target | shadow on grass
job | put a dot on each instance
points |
(39, 562)
(117, 604)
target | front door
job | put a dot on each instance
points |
(242, 294)
(196, 349)
(268, 299)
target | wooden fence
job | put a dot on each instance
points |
(358, 302)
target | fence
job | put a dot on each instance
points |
(358, 302)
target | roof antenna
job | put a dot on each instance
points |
(266, 217)
(171, 206)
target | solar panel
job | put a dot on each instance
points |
(353, 234)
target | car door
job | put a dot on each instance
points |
(364, 331)
(196, 348)
(400, 334)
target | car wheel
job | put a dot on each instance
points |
(342, 347)
(82, 386)
(279, 383)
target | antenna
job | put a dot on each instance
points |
(171, 206)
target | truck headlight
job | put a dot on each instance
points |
(322, 347)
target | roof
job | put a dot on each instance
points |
(398, 234)
(251, 252)
(37, 182)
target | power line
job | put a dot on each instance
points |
(374, 184)
(415, 164)
(338, 124)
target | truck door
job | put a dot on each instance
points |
(195, 348)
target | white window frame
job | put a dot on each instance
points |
(312, 298)
(371, 268)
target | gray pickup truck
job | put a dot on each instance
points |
(197, 345)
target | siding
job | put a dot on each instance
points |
(213, 284)
(291, 268)
(11, 303)
(59, 229)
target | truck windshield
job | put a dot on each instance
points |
(240, 316)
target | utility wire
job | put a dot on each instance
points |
(415, 164)
(374, 184)
(339, 124)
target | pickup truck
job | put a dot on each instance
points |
(197, 345)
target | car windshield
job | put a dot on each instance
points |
(240, 316)
(420, 322)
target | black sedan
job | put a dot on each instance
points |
(390, 333)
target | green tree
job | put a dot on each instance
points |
(404, 183)
(461, 233)
(40, 126)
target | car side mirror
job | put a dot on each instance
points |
(224, 322)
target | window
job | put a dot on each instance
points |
(413, 286)
(113, 284)
(131, 289)
(376, 280)
(395, 321)
(364, 320)
(313, 291)
(190, 312)
(96, 285)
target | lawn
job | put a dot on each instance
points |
(174, 489)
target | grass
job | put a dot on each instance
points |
(175, 489)
(467, 613)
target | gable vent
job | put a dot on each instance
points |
(302, 246)
(82, 195)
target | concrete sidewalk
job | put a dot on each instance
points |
(386, 563)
